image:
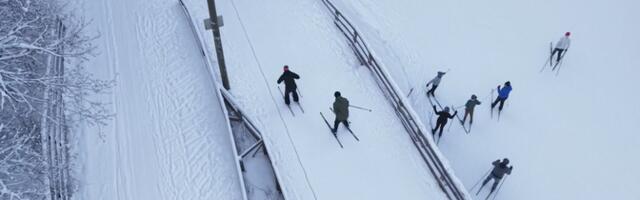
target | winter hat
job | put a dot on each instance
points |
(473, 96)
(505, 161)
(446, 109)
(508, 83)
(567, 34)
(440, 73)
(286, 68)
(336, 94)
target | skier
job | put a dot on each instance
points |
(469, 106)
(341, 109)
(562, 46)
(435, 82)
(503, 94)
(443, 117)
(289, 84)
(498, 172)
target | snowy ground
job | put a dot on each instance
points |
(259, 176)
(383, 165)
(571, 136)
(169, 137)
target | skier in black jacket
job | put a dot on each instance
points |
(289, 84)
(498, 172)
(443, 117)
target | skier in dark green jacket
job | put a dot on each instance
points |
(469, 107)
(341, 109)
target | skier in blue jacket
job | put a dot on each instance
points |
(503, 94)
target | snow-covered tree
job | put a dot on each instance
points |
(41, 54)
(22, 168)
(29, 37)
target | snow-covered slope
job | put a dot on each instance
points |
(169, 137)
(570, 136)
(261, 37)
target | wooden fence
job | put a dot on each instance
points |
(410, 120)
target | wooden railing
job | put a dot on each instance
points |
(229, 104)
(253, 129)
(410, 120)
(54, 130)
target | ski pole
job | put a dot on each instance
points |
(499, 187)
(485, 175)
(361, 108)
(299, 93)
(454, 111)
(410, 91)
(548, 59)
(492, 95)
(281, 93)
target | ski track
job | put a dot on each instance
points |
(121, 188)
(168, 139)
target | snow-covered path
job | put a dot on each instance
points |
(169, 138)
(383, 165)
(571, 136)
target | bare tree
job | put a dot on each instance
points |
(41, 66)
(29, 36)
(22, 168)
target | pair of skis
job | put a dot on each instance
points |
(558, 63)
(433, 130)
(493, 193)
(466, 130)
(335, 135)
(492, 106)
(490, 193)
(289, 105)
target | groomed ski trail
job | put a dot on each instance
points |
(169, 137)
(259, 38)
